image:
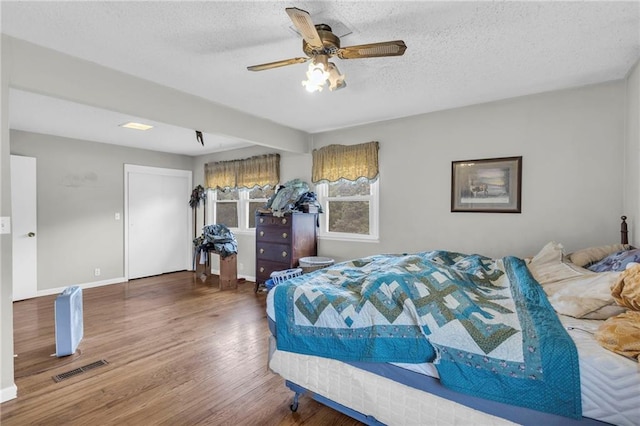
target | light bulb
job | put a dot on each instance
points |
(311, 86)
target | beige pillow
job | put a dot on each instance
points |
(590, 255)
(585, 296)
(551, 252)
(547, 266)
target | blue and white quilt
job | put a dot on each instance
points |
(485, 323)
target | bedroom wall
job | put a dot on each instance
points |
(8, 389)
(80, 188)
(632, 154)
(572, 144)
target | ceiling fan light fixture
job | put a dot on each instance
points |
(319, 43)
(336, 80)
(318, 74)
(311, 87)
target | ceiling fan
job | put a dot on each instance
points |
(320, 44)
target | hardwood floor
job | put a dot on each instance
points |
(179, 352)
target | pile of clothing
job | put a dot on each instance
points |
(291, 197)
(217, 238)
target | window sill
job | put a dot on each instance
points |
(350, 238)
(250, 232)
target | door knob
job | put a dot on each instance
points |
(31, 234)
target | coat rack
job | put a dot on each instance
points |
(199, 194)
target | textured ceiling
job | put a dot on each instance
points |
(458, 53)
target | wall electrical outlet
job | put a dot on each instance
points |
(117, 216)
(96, 272)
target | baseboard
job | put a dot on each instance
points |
(245, 277)
(8, 393)
(49, 291)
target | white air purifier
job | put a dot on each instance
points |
(69, 323)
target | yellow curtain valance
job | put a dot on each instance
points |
(260, 171)
(334, 162)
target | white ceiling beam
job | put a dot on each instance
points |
(47, 72)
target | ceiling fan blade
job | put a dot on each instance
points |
(302, 21)
(373, 50)
(277, 64)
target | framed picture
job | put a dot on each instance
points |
(492, 185)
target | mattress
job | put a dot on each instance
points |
(610, 383)
(390, 402)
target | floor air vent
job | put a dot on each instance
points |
(59, 377)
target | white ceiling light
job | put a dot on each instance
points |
(320, 72)
(136, 126)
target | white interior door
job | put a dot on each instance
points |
(24, 229)
(157, 221)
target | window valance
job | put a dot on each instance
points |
(334, 162)
(260, 171)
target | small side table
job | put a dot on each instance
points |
(228, 270)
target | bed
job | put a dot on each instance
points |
(507, 343)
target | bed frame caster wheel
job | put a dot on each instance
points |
(294, 404)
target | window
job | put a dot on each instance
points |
(257, 198)
(237, 188)
(346, 179)
(225, 207)
(236, 207)
(350, 209)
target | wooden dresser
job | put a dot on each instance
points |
(282, 241)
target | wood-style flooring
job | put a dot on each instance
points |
(179, 352)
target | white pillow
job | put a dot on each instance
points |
(547, 266)
(585, 296)
(572, 290)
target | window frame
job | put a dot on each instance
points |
(243, 208)
(322, 192)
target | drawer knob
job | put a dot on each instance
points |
(261, 250)
(284, 254)
(262, 233)
(262, 220)
(284, 221)
(261, 269)
(285, 235)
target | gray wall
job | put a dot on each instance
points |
(632, 154)
(572, 144)
(80, 188)
(7, 387)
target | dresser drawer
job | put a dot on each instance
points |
(276, 234)
(273, 221)
(273, 252)
(264, 268)
(282, 241)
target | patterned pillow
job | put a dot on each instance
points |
(616, 261)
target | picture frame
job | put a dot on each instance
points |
(490, 185)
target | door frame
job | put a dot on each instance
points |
(132, 168)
